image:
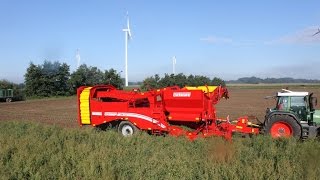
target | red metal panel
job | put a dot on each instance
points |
(185, 105)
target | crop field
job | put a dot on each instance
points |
(40, 139)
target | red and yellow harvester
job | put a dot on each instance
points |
(162, 111)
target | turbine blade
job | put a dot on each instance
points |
(129, 34)
(128, 23)
(316, 33)
(128, 28)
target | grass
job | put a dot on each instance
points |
(35, 151)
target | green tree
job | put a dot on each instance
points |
(201, 80)
(5, 84)
(112, 77)
(85, 76)
(48, 79)
(179, 80)
(61, 80)
(167, 80)
(217, 82)
(151, 82)
(90, 76)
(32, 80)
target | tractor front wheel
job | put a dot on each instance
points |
(282, 126)
(126, 128)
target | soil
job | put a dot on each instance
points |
(58, 111)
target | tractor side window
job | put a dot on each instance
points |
(297, 101)
(283, 103)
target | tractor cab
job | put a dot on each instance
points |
(295, 102)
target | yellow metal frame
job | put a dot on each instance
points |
(85, 106)
(205, 89)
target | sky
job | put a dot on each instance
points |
(225, 39)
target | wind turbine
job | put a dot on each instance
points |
(127, 34)
(316, 32)
(174, 62)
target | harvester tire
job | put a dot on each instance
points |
(282, 126)
(126, 128)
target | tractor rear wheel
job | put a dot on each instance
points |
(282, 126)
(126, 128)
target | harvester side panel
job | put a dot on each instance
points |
(185, 105)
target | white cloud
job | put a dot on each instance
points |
(217, 40)
(303, 36)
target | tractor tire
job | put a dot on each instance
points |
(126, 129)
(282, 126)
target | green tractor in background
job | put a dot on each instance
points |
(6, 95)
(293, 116)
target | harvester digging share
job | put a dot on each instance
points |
(169, 110)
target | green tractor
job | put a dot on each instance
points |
(6, 95)
(293, 116)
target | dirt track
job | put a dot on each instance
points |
(63, 111)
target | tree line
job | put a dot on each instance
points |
(256, 80)
(54, 79)
(180, 80)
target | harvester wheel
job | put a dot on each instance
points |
(126, 128)
(282, 126)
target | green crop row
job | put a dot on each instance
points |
(34, 151)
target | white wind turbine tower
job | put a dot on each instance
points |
(127, 34)
(174, 62)
(78, 58)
